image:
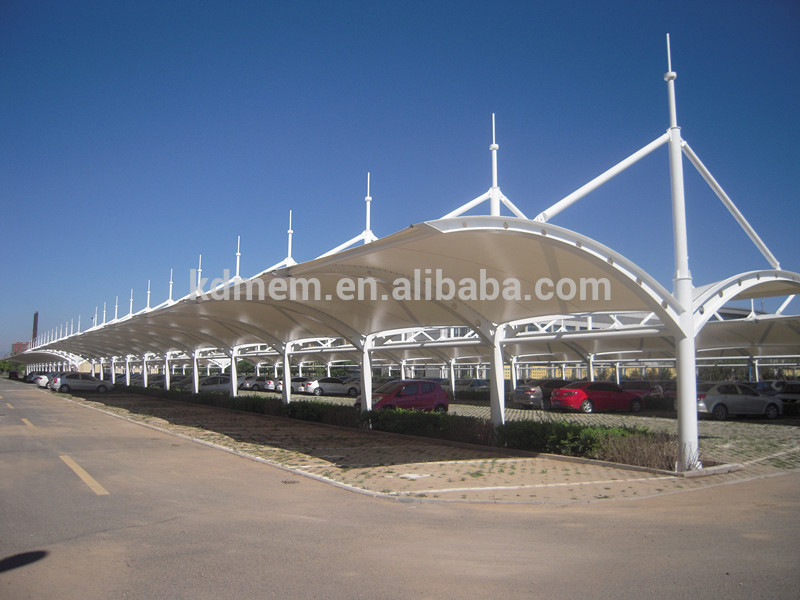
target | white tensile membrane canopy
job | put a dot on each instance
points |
(499, 279)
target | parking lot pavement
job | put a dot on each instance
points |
(404, 467)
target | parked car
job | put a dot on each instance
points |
(790, 392)
(256, 383)
(642, 388)
(409, 394)
(30, 377)
(592, 396)
(67, 382)
(470, 385)
(295, 383)
(331, 386)
(723, 398)
(770, 387)
(535, 393)
(13, 375)
(215, 383)
(43, 380)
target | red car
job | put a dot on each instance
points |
(591, 396)
(408, 394)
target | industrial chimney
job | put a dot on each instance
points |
(35, 325)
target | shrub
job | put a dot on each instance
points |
(321, 412)
(569, 439)
(431, 424)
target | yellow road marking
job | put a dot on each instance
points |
(85, 477)
(29, 424)
(9, 405)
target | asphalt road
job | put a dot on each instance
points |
(92, 506)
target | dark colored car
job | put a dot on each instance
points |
(790, 392)
(535, 393)
(642, 388)
(409, 394)
(592, 396)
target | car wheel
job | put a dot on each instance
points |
(441, 409)
(352, 392)
(720, 412)
(587, 406)
(636, 405)
(101, 389)
(318, 391)
(64, 389)
(256, 388)
(771, 412)
(546, 404)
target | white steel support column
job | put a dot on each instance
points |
(100, 376)
(167, 373)
(683, 290)
(513, 372)
(195, 373)
(366, 375)
(452, 374)
(590, 366)
(287, 374)
(144, 370)
(113, 370)
(497, 391)
(234, 374)
(127, 370)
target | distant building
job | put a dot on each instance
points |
(19, 347)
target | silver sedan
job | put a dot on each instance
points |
(718, 400)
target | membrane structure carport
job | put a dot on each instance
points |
(488, 286)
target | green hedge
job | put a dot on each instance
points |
(431, 424)
(321, 412)
(560, 437)
(618, 444)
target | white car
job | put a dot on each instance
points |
(43, 380)
(723, 398)
(330, 386)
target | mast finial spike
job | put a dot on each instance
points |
(669, 56)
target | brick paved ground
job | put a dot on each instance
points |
(414, 468)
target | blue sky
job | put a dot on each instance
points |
(138, 135)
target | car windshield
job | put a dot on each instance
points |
(704, 387)
(389, 387)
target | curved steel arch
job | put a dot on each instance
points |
(753, 284)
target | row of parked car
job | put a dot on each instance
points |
(717, 400)
(67, 381)
(714, 399)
